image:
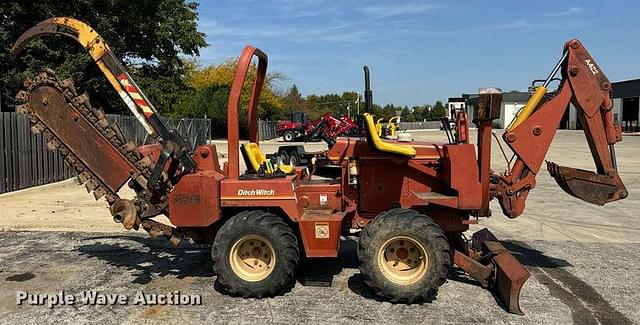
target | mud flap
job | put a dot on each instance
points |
(507, 276)
(587, 185)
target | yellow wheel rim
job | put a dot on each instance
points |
(403, 260)
(252, 258)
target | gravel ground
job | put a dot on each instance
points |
(566, 285)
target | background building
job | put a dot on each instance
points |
(626, 106)
(626, 111)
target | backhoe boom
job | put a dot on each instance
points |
(585, 85)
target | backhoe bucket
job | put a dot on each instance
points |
(587, 185)
(508, 275)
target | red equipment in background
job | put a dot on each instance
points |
(328, 125)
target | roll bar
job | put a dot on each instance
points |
(233, 105)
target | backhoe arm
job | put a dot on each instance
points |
(532, 132)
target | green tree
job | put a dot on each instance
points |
(417, 112)
(407, 115)
(210, 92)
(318, 105)
(427, 113)
(389, 110)
(154, 38)
(439, 110)
(293, 100)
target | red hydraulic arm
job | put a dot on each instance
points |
(329, 127)
(585, 85)
(529, 137)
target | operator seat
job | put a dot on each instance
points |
(254, 158)
(375, 143)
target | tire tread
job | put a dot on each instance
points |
(417, 223)
(249, 221)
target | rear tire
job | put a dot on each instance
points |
(404, 256)
(294, 159)
(284, 158)
(289, 136)
(255, 254)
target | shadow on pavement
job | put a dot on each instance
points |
(154, 258)
(159, 258)
(529, 256)
(320, 271)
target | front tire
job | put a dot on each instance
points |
(404, 256)
(255, 254)
(289, 136)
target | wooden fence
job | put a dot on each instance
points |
(26, 162)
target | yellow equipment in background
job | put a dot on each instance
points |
(388, 129)
(392, 126)
(379, 126)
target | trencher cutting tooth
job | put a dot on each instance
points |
(48, 72)
(84, 177)
(68, 84)
(23, 109)
(27, 83)
(99, 192)
(22, 96)
(92, 184)
(53, 144)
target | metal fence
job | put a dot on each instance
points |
(196, 130)
(267, 129)
(419, 125)
(26, 162)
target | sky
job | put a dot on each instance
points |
(420, 51)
